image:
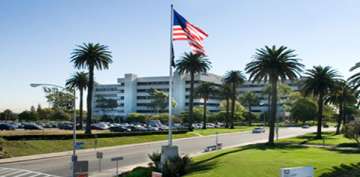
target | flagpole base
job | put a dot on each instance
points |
(168, 152)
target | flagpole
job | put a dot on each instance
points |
(170, 79)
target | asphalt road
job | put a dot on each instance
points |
(135, 154)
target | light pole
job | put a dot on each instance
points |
(73, 157)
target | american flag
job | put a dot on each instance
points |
(184, 30)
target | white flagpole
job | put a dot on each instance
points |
(170, 80)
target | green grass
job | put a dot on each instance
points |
(259, 160)
(31, 147)
(329, 138)
(212, 131)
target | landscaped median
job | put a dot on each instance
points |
(49, 143)
(266, 161)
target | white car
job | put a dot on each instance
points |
(258, 130)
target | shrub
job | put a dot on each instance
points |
(176, 167)
(138, 172)
(136, 117)
(155, 158)
(352, 131)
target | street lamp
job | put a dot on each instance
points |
(73, 157)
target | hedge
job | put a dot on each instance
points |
(84, 136)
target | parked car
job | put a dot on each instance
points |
(100, 126)
(5, 126)
(65, 126)
(258, 130)
(32, 126)
(119, 129)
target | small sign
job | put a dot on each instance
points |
(99, 155)
(297, 172)
(81, 168)
(156, 174)
(117, 158)
(79, 145)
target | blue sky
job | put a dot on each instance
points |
(38, 36)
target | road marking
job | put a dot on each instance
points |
(12, 172)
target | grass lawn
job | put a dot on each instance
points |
(212, 131)
(260, 160)
(31, 147)
(329, 138)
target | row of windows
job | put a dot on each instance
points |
(111, 89)
(154, 83)
(199, 104)
(148, 90)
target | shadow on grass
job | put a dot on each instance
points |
(210, 163)
(352, 170)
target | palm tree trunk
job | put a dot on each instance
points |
(191, 101)
(249, 116)
(339, 119)
(233, 99)
(204, 115)
(81, 109)
(227, 112)
(273, 110)
(320, 115)
(89, 100)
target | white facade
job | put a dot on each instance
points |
(131, 93)
(258, 88)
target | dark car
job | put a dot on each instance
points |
(65, 126)
(32, 126)
(7, 127)
(119, 129)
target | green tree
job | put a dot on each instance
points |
(59, 99)
(7, 114)
(303, 109)
(91, 56)
(79, 81)
(205, 90)
(341, 96)
(28, 116)
(136, 117)
(249, 99)
(192, 64)
(159, 100)
(225, 93)
(318, 82)
(273, 64)
(235, 79)
(352, 131)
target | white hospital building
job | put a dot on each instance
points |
(132, 93)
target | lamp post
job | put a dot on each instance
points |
(73, 157)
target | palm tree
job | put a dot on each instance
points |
(234, 78)
(192, 64)
(79, 81)
(249, 99)
(319, 82)
(354, 80)
(273, 64)
(341, 96)
(205, 90)
(225, 92)
(91, 56)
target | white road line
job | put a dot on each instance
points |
(23, 174)
(12, 172)
(7, 170)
